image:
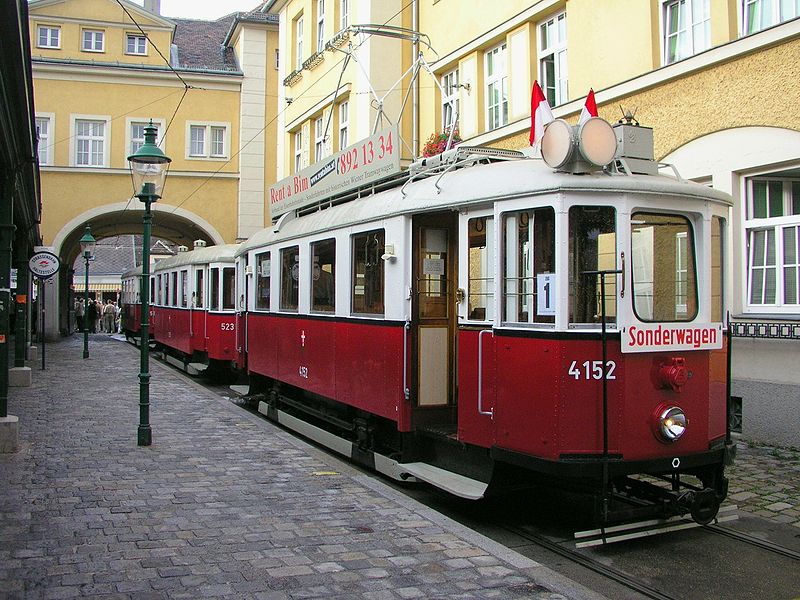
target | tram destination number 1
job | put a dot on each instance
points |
(592, 369)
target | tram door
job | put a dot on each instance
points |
(435, 243)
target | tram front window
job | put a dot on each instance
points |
(592, 248)
(664, 274)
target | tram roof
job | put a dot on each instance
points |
(476, 185)
(223, 253)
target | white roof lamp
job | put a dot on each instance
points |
(584, 148)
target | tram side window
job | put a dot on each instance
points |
(717, 268)
(152, 291)
(592, 247)
(228, 288)
(323, 275)
(174, 298)
(198, 286)
(290, 276)
(165, 291)
(664, 274)
(184, 288)
(481, 269)
(214, 289)
(263, 274)
(529, 266)
(368, 275)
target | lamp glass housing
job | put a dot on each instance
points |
(149, 166)
(88, 243)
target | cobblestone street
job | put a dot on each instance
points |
(765, 481)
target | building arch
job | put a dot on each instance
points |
(172, 223)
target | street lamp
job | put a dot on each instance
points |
(87, 249)
(149, 166)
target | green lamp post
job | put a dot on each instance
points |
(87, 249)
(149, 166)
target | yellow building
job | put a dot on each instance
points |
(102, 70)
(715, 79)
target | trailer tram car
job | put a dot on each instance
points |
(498, 315)
(131, 303)
(193, 308)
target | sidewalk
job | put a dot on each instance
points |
(223, 504)
(765, 481)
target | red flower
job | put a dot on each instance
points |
(437, 142)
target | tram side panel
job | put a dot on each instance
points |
(476, 410)
(172, 328)
(221, 336)
(369, 369)
(199, 334)
(262, 345)
(529, 386)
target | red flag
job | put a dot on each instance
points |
(541, 114)
(589, 108)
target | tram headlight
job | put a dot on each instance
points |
(670, 423)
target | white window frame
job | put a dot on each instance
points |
(344, 14)
(344, 109)
(49, 29)
(298, 42)
(45, 144)
(105, 139)
(319, 138)
(449, 99)
(96, 35)
(779, 12)
(320, 25)
(777, 227)
(298, 150)
(130, 122)
(557, 91)
(138, 40)
(209, 128)
(496, 79)
(692, 31)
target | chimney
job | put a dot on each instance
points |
(154, 6)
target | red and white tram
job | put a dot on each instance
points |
(495, 316)
(193, 307)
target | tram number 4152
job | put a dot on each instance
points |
(592, 369)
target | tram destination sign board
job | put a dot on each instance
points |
(369, 160)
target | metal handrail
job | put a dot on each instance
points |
(489, 412)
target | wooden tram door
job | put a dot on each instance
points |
(435, 243)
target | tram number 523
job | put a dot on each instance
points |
(592, 369)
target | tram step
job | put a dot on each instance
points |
(239, 390)
(447, 480)
(195, 368)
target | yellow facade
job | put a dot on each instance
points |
(320, 55)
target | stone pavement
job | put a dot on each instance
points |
(222, 505)
(765, 481)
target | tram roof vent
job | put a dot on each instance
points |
(183, 248)
(200, 244)
(462, 156)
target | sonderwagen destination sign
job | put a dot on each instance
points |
(369, 160)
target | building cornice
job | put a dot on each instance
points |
(115, 171)
(141, 74)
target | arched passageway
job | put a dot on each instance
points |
(177, 225)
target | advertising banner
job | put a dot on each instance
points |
(369, 160)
